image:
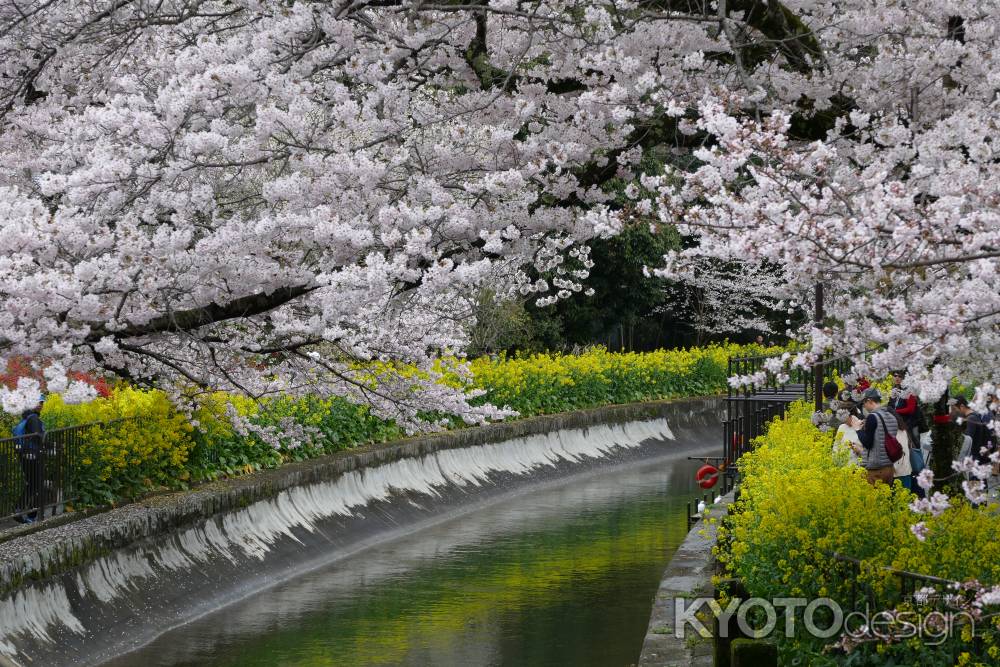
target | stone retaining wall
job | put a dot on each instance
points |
(45, 551)
(689, 575)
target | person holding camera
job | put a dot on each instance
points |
(873, 432)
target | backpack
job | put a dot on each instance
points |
(26, 443)
(893, 449)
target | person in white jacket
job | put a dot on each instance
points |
(901, 468)
(846, 444)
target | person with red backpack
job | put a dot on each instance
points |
(30, 434)
(878, 438)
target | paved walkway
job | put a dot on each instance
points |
(10, 529)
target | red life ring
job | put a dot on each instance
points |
(707, 476)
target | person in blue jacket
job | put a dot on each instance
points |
(30, 434)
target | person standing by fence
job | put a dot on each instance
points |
(30, 434)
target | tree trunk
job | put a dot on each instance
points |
(947, 439)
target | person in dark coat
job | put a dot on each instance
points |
(30, 433)
(978, 428)
(905, 405)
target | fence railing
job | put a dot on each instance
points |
(37, 479)
(750, 408)
(904, 588)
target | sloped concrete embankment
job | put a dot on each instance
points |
(83, 592)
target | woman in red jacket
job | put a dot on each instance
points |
(904, 404)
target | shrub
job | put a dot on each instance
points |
(799, 504)
(138, 441)
(549, 383)
(319, 426)
(135, 442)
(219, 450)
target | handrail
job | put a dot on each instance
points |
(903, 573)
(63, 429)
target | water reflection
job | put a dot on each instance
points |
(562, 575)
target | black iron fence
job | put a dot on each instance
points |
(798, 379)
(900, 590)
(37, 479)
(901, 586)
(751, 407)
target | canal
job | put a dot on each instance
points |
(561, 574)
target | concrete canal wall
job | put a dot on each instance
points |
(90, 589)
(688, 576)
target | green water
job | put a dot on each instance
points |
(563, 575)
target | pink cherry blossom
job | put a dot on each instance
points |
(227, 195)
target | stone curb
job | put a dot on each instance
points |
(689, 575)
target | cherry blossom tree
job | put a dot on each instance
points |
(257, 195)
(887, 194)
(731, 297)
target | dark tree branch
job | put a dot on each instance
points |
(213, 313)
